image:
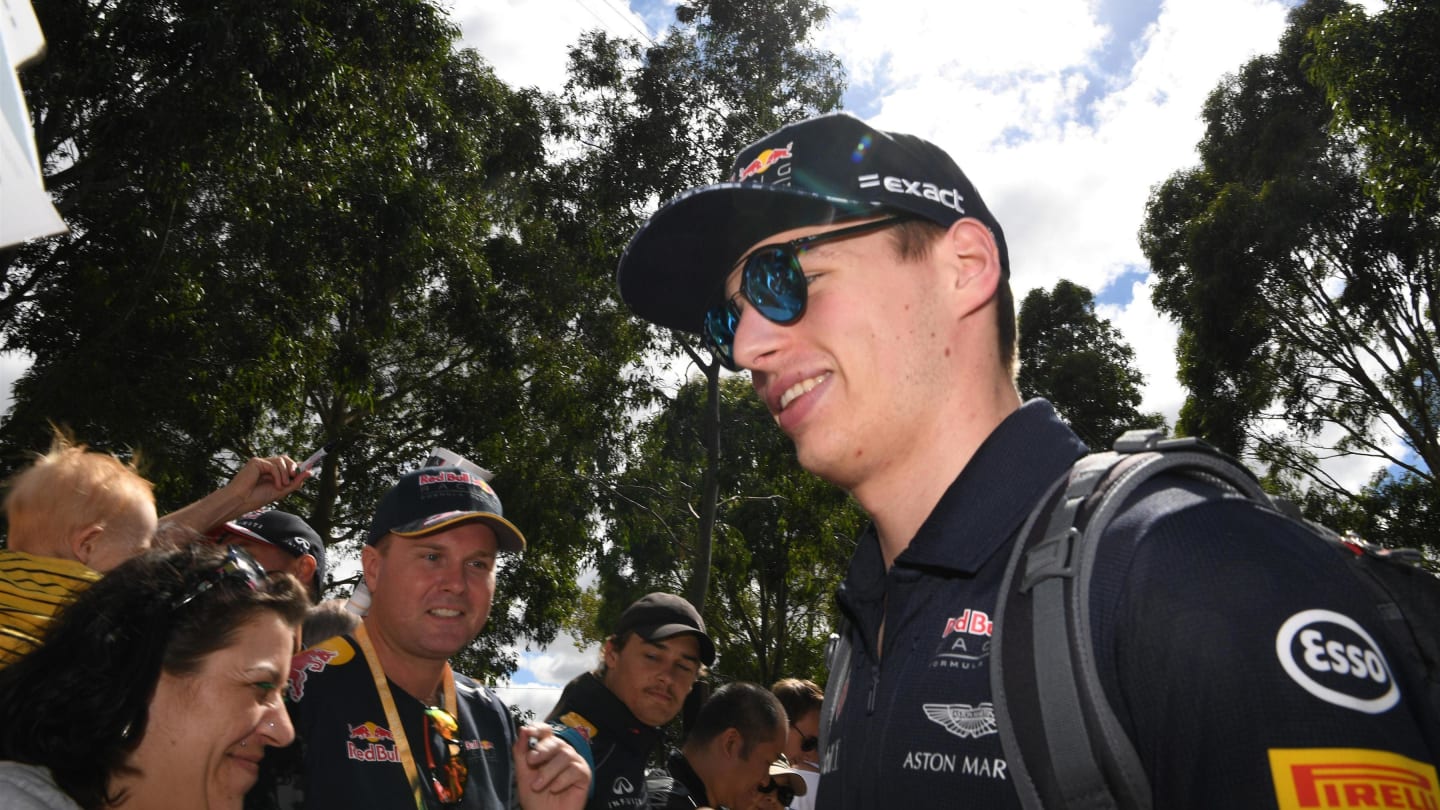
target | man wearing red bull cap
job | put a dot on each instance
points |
(864, 283)
(381, 719)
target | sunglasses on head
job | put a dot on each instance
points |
(443, 763)
(774, 283)
(807, 743)
(783, 793)
(238, 566)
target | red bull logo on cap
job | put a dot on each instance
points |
(765, 160)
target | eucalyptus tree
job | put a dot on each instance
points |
(1306, 307)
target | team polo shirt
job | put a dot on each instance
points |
(345, 756)
(32, 591)
(620, 743)
(1213, 618)
(679, 787)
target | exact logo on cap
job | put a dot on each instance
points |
(1332, 657)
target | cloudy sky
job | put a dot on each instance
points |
(1064, 113)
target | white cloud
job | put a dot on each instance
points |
(1000, 87)
(12, 365)
(536, 685)
(528, 41)
(1154, 350)
(901, 41)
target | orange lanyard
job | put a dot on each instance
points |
(392, 714)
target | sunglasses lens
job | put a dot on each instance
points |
(775, 284)
(447, 768)
(720, 324)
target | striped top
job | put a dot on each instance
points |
(32, 591)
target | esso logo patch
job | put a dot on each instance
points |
(1332, 657)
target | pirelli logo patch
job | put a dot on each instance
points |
(1307, 778)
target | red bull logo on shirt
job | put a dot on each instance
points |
(965, 641)
(314, 659)
(974, 622)
(1345, 778)
(370, 732)
(379, 747)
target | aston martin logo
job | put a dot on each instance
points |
(962, 719)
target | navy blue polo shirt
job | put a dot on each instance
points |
(1213, 618)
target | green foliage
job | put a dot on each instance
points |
(1081, 363)
(657, 118)
(298, 222)
(783, 537)
(1306, 308)
(1379, 73)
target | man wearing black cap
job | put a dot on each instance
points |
(863, 282)
(280, 541)
(381, 719)
(648, 666)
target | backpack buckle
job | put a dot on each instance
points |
(1052, 557)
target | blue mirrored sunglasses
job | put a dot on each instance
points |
(774, 283)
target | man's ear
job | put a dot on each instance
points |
(972, 259)
(307, 568)
(731, 743)
(371, 561)
(84, 542)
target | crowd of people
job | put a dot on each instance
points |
(864, 284)
(230, 682)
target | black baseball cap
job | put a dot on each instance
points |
(812, 172)
(433, 499)
(658, 616)
(285, 531)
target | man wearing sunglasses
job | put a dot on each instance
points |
(279, 541)
(648, 666)
(380, 717)
(802, 699)
(725, 760)
(864, 283)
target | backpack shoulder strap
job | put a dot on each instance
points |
(1049, 701)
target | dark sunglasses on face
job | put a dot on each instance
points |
(807, 743)
(446, 768)
(238, 566)
(783, 793)
(774, 283)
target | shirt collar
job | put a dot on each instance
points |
(987, 502)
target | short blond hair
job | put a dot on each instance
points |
(66, 490)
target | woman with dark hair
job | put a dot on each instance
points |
(159, 687)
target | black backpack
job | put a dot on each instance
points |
(1041, 648)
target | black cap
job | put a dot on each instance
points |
(813, 172)
(433, 499)
(658, 616)
(283, 530)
